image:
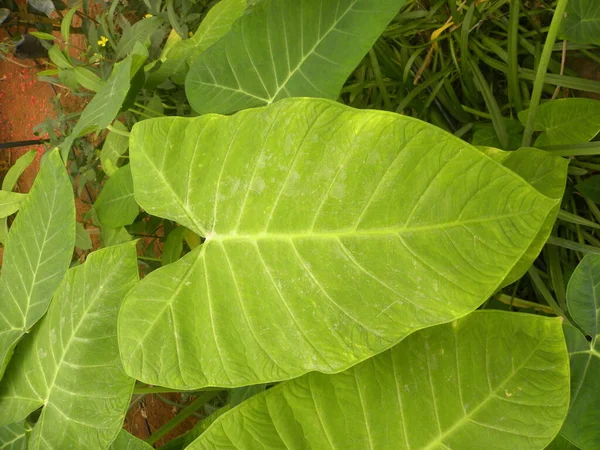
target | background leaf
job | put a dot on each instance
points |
(115, 146)
(590, 188)
(491, 377)
(304, 48)
(565, 121)
(115, 205)
(70, 364)
(139, 32)
(331, 231)
(37, 254)
(582, 22)
(10, 202)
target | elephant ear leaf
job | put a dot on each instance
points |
(69, 364)
(583, 301)
(328, 230)
(37, 254)
(303, 48)
(454, 386)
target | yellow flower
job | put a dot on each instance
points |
(103, 40)
(190, 34)
(147, 16)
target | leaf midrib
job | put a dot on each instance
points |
(335, 234)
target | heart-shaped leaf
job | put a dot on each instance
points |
(279, 49)
(582, 22)
(331, 234)
(37, 254)
(69, 364)
(491, 377)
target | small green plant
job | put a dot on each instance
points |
(332, 274)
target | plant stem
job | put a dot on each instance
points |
(543, 290)
(184, 414)
(520, 303)
(116, 131)
(540, 76)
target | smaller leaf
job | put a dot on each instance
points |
(16, 170)
(487, 136)
(82, 237)
(561, 443)
(583, 294)
(10, 202)
(582, 22)
(173, 246)
(590, 188)
(114, 236)
(116, 206)
(88, 79)
(114, 147)
(139, 32)
(565, 121)
(65, 24)
(59, 58)
(42, 35)
(241, 394)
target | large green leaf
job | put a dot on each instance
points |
(37, 254)
(115, 205)
(14, 436)
(70, 363)
(104, 107)
(331, 231)
(139, 32)
(561, 443)
(565, 121)
(583, 300)
(490, 380)
(590, 188)
(547, 174)
(582, 22)
(284, 49)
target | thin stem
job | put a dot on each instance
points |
(520, 303)
(117, 131)
(540, 76)
(184, 414)
(543, 290)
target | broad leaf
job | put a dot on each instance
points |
(82, 237)
(115, 205)
(37, 254)
(561, 443)
(566, 121)
(303, 48)
(582, 22)
(547, 174)
(487, 136)
(104, 107)
(590, 188)
(70, 363)
(331, 231)
(115, 146)
(114, 236)
(489, 380)
(10, 202)
(581, 424)
(173, 246)
(14, 436)
(126, 441)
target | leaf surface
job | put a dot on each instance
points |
(14, 436)
(489, 378)
(10, 202)
(590, 188)
(115, 146)
(583, 301)
(70, 363)
(115, 205)
(331, 231)
(582, 22)
(125, 441)
(566, 121)
(304, 48)
(37, 254)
